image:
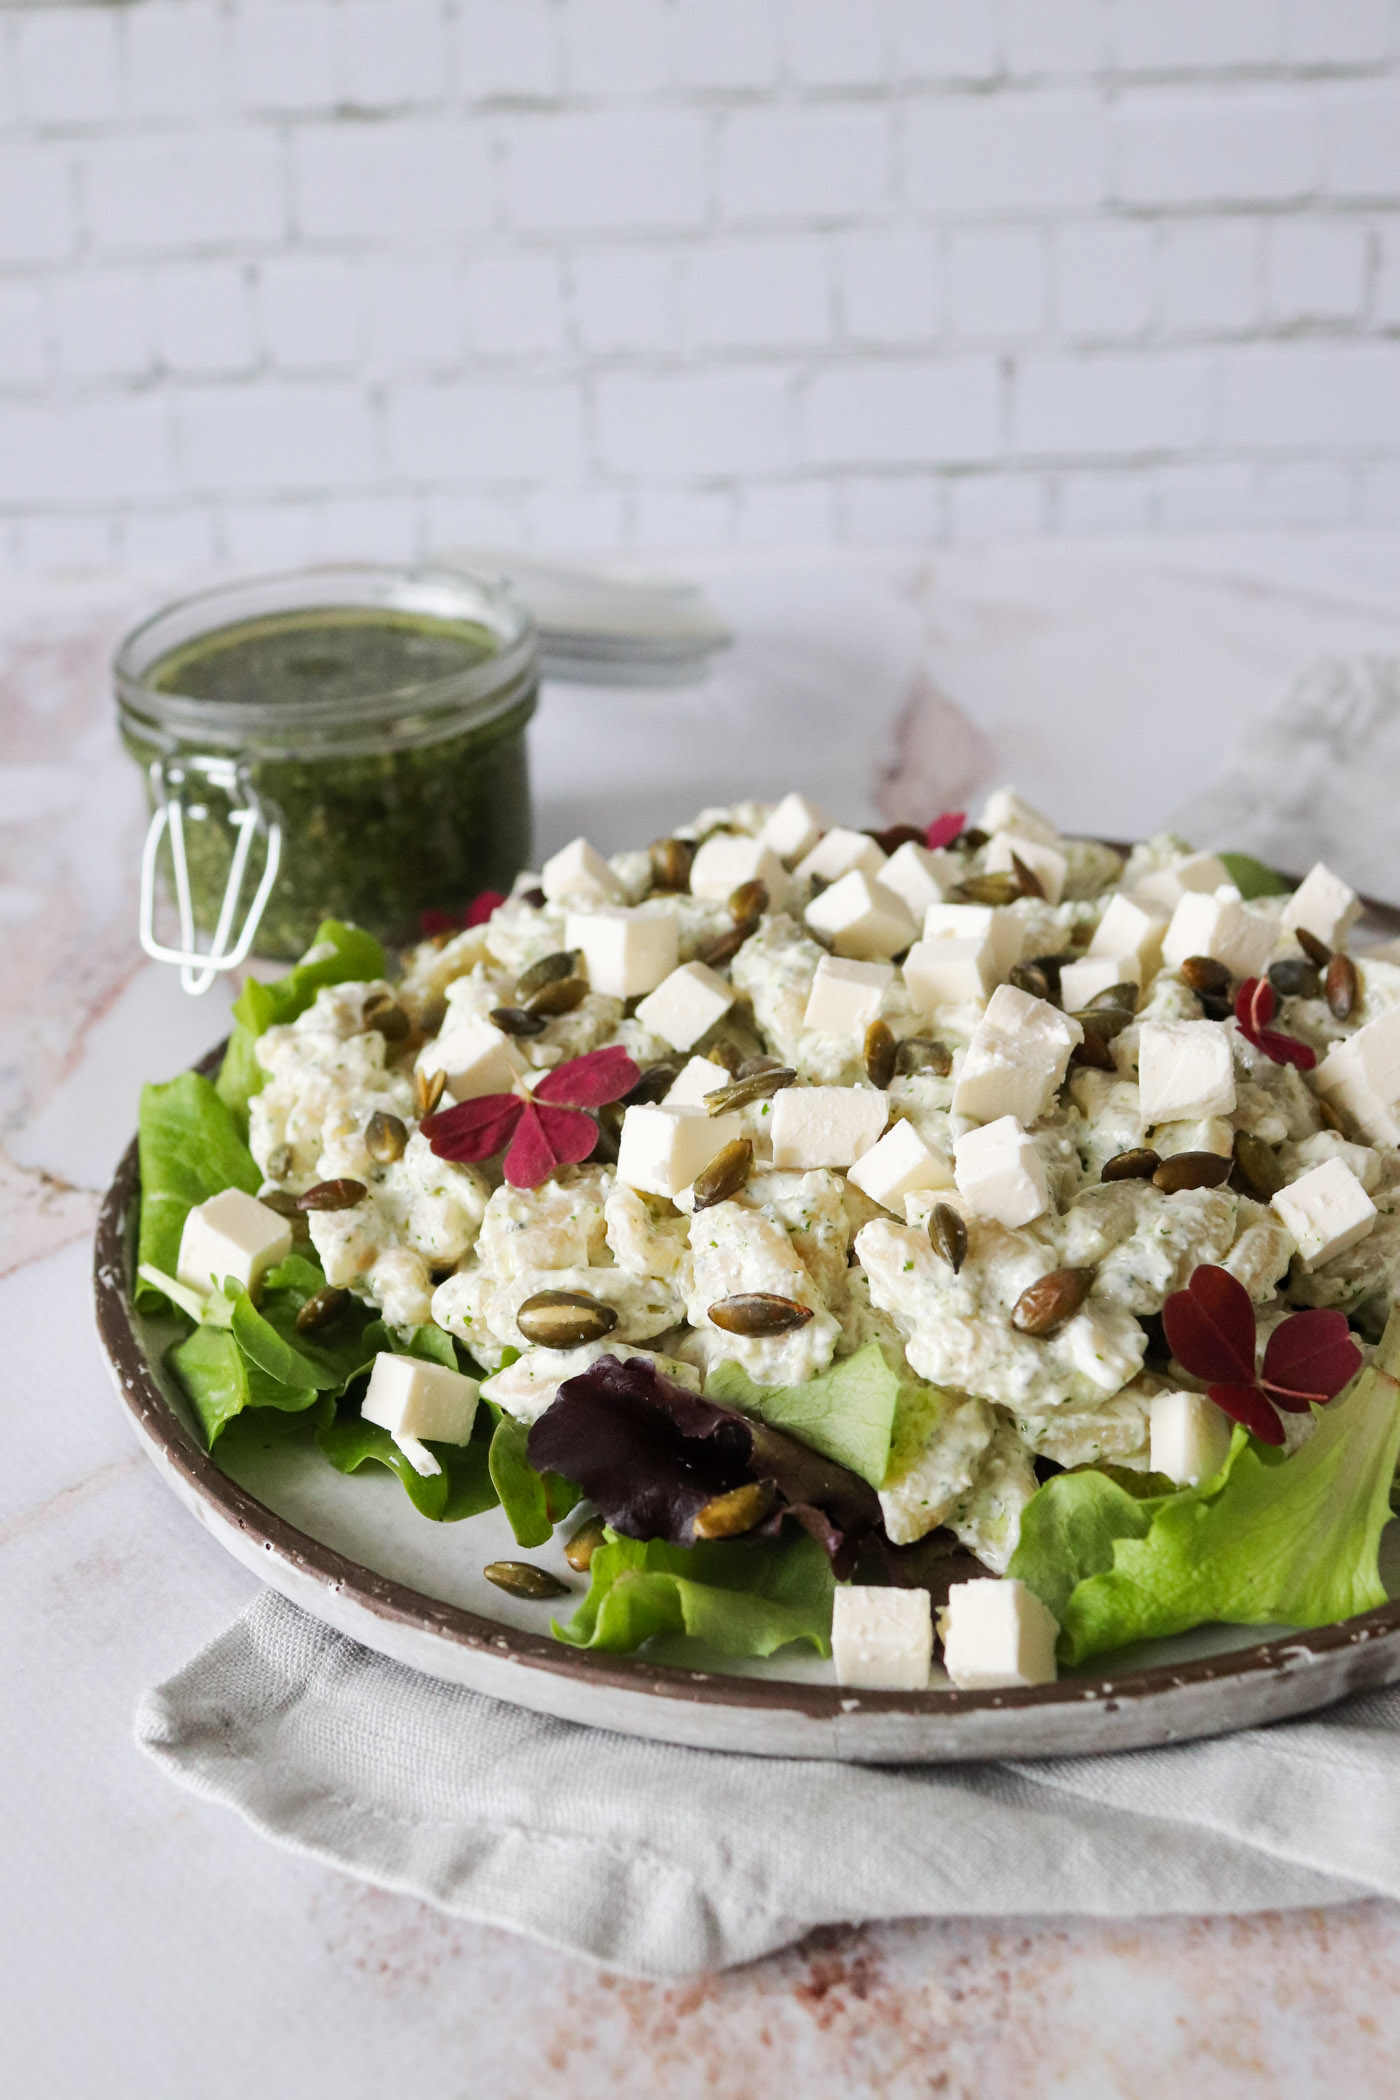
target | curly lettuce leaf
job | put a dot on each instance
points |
(739, 1596)
(190, 1148)
(846, 1413)
(533, 1502)
(354, 957)
(1254, 878)
(1293, 1541)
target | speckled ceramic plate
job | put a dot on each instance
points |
(355, 1553)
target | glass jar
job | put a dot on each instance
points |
(341, 742)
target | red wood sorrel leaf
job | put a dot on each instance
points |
(481, 907)
(546, 1138)
(1245, 1403)
(1310, 1357)
(1255, 1005)
(473, 1130)
(943, 830)
(1210, 1326)
(590, 1081)
(433, 923)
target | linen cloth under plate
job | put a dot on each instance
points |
(662, 1861)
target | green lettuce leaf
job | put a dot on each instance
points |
(462, 1489)
(1253, 878)
(190, 1148)
(533, 1502)
(739, 1596)
(355, 957)
(846, 1413)
(221, 1381)
(1293, 1541)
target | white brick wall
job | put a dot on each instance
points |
(288, 277)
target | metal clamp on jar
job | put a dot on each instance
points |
(345, 742)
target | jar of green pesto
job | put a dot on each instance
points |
(342, 742)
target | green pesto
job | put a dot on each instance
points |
(373, 837)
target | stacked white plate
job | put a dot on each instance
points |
(600, 629)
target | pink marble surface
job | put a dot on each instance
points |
(153, 1944)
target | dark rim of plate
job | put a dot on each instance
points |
(398, 1603)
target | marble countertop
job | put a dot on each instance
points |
(154, 1945)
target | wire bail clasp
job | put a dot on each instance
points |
(170, 779)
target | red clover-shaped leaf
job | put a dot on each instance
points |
(546, 1138)
(482, 906)
(473, 1130)
(1255, 1004)
(943, 830)
(1210, 1326)
(1310, 1357)
(592, 1080)
(1245, 1403)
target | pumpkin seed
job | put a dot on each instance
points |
(584, 1544)
(565, 1319)
(725, 946)
(725, 1175)
(748, 1066)
(920, 1053)
(726, 1516)
(1215, 1006)
(986, 889)
(385, 1137)
(286, 1206)
(1030, 883)
(1094, 1051)
(1294, 978)
(561, 997)
(896, 836)
(1139, 1163)
(670, 863)
(514, 1020)
(971, 841)
(1104, 1021)
(1330, 1116)
(535, 898)
(759, 1313)
(428, 1090)
(521, 1578)
(1343, 987)
(655, 1083)
(279, 1162)
(1192, 1170)
(1028, 977)
(948, 1231)
(321, 1308)
(748, 902)
(1050, 967)
(386, 1017)
(1047, 1304)
(1116, 999)
(564, 963)
(757, 1087)
(1315, 950)
(880, 1052)
(1204, 974)
(1257, 1166)
(343, 1194)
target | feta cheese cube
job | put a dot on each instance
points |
(826, 1126)
(920, 878)
(1004, 810)
(860, 917)
(947, 972)
(411, 1398)
(1327, 1211)
(881, 1638)
(996, 1635)
(962, 921)
(1220, 926)
(686, 1005)
(662, 1149)
(231, 1234)
(793, 827)
(1000, 1174)
(476, 1057)
(845, 996)
(838, 853)
(1186, 1070)
(1361, 1076)
(1084, 980)
(1189, 1436)
(627, 949)
(1323, 905)
(577, 872)
(728, 859)
(1046, 863)
(1131, 928)
(1209, 1134)
(700, 1077)
(900, 1163)
(1017, 1058)
(1194, 871)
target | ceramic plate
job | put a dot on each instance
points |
(355, 1553)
